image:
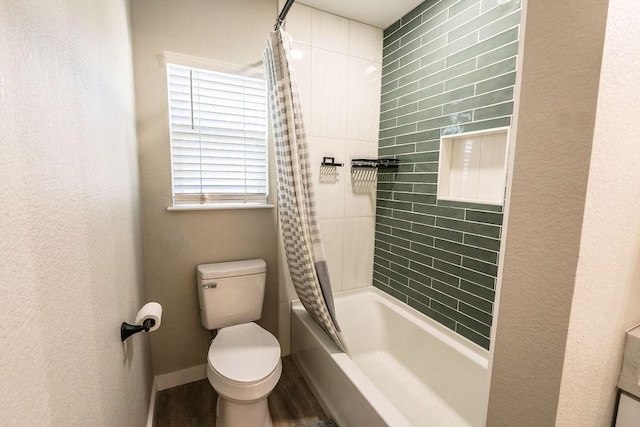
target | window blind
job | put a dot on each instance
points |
(218, 136)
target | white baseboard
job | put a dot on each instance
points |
(183, 376)
(152, 403)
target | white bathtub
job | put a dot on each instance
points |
(405, 369)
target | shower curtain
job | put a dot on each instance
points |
(296, 200)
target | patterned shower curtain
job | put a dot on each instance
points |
(296, 200)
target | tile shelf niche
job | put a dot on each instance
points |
(472, 166)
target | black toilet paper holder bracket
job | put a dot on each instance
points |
(126, 330)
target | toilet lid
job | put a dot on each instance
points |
(244, 353)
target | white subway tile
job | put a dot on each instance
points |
(329, 31)
(358, 252)
(329, 83)
(360, 197)
(332, 231)
(298, 23)
(363, 100)
(329, 183)
(365, 41)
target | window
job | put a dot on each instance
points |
(218, 127)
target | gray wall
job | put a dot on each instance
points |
(448, 67)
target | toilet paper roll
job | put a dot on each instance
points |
(151, 310)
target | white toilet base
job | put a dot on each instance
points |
(253, 414)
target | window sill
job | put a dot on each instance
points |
(220, 206)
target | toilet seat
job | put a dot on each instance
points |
(244, 362)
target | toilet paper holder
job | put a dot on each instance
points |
(126, 330)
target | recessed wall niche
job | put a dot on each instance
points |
(472, 166)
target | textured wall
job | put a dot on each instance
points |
(337, 65)
(448, 67)
(175, 243)
(606, 299)
(70, 248)
(554, 130)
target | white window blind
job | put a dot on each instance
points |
(218, 136)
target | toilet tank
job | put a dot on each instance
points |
(231, 293)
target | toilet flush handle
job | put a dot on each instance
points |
(210, 285)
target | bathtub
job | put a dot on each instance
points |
(405, 369)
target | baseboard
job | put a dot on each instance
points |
(183, 376)
(152, 403)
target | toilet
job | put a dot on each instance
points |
(243, 363)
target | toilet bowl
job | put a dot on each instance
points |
(243, 367)
(243, 362)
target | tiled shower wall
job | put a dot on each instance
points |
(448, 67)
(337, 64)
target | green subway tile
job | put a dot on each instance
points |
(380, 244)
(443, 28)
(473, 15)
(478, 290)
(423, 50)
(412, 256)
(427, 25)
(407, 28)
(415, 198)
(415, 217)
(417, 177)
(438, 232)
(398, 130)
(489, 98)
(403, 71)
(423, 71)
(474, 313)
(398, 286)
(431, 293)
(389, 290)
(506, 51)
(448, 120)
(381, 261)
(436, 274)
(392, 240)
(469, 251)
(482, 125)
(421, 94)
(465, 42)
(460, 6)
(389, 105)
(394, 258)
(389, 87)
(412, 273)
(395, 205)
(421, 115)
(378, 276)
(380, 211)
(496, 83)
(397, 223)
(405, 167)
(396, 149)
(438, 317)
(387, 142)
(483, 47)
(439, 211)
(479, 303)
(418, 296)
(405, 49)
(392, 274)
(429, 156)
(482, 242)
(405, 188)
(482, 267)
(487, 5)
(383, 229)
(388, 124)
(473, 324)
(413, 237)
(420, 136)
(498, 26)
(435, 253)
(443, 98)
(401, 91)
(401, 111)
(390, 66)
(482, 20)
(449, 73)
(425, 188)
(382, 194)
(465, 274)
(418, 10)
(473, 336)
(390, 29)
(481, 74)
(485, 217)
(390, 47)
(427, 167)
(429, 145)
(471, 205)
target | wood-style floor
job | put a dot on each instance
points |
(291, 403)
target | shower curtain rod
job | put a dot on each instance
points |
(283, 14)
